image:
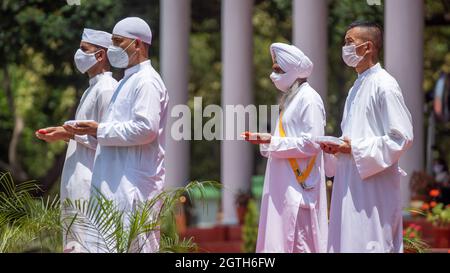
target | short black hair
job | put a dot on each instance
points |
(374, 32)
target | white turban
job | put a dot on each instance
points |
(96, 37)
(134, 28)
(291, 60)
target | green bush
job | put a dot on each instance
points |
(250, 228)
(33, 224)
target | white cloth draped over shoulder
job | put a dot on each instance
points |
(366, 212)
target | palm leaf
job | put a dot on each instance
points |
(100, 216)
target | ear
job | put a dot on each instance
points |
(138, 44)
(370, 46)
(371, 49)
(100, 55)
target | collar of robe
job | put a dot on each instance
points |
(135, 68)
(97, 77)
(371, 70)
(296, 86)
(288, 96)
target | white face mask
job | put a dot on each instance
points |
(349, 55)
(118, 57)
(283, 81)
(84, 61)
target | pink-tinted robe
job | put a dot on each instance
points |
(283, 199)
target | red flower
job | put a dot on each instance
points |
(412, 235)
(435, 193)
(404, 233)
(418, 228)
(433, 204)
(425, 206)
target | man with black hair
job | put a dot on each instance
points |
(366, 212)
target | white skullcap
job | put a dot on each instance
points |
(134, 28)
(291, 60)
(96, 37)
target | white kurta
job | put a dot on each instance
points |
(77, 171)
(129, 163)
(293, 219)
(366, 212)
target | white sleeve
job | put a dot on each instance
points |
(143, 128)
(303, 146)
(87, 141)
(291, 147)
(101, 105)
(264, 153)
(374, 154)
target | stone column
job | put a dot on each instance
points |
(310, 28)
(404, 23)
(237, 81)
(175, 29)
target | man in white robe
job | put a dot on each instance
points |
(293, 218)
(366, 212)
(76, 176)
(129, 163)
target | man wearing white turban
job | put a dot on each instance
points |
(293, 215)
(129, 163)
(76, 176)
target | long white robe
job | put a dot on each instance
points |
(293, 219)
(77, 171)
(129, 163)
(366, 213)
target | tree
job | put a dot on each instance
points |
(38, 40)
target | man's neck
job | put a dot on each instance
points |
(364, 66)
(96, 72)
(301, 81)
(139, 60)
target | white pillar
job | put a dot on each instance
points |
(175, 28)
(237, 80)
(404, 22)
(310, 30)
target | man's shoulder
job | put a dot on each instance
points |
(385, 82)
(385, 79)
(106, 84)
(149, 77)
(109, 81)
(311, 96)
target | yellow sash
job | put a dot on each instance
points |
(301, 176)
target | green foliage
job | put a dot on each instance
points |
(415, 245)
(439, 215)
(27, 223)
(412, 240)
(105, 220)
(250, 228)
(33, 224)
